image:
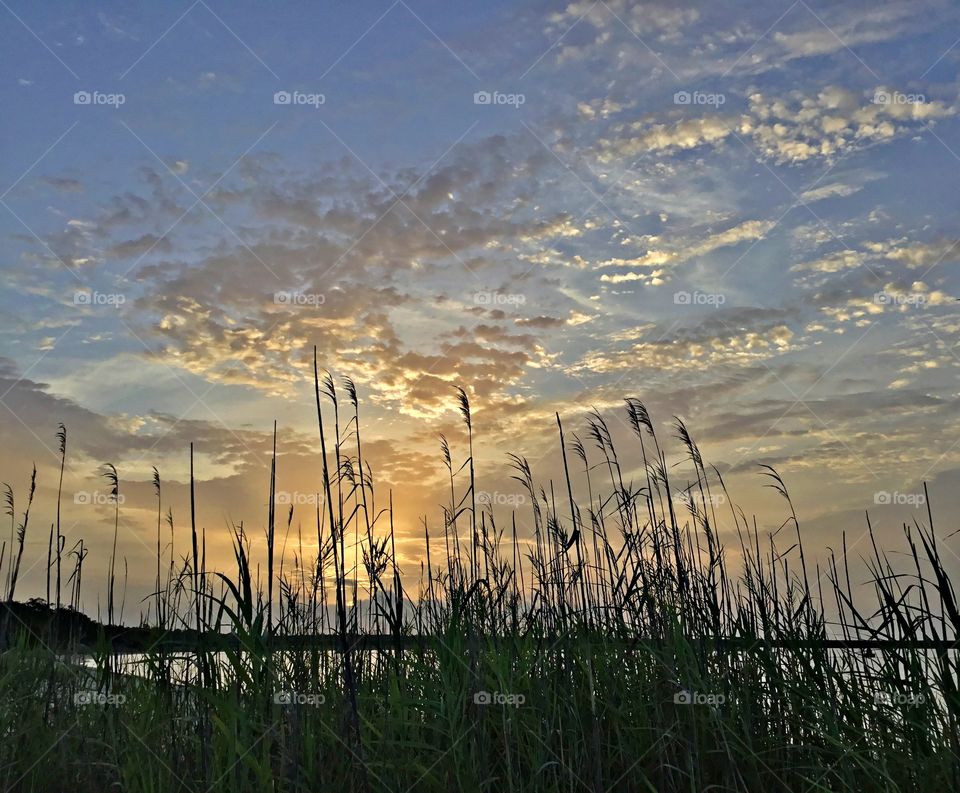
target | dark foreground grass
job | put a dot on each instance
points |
(613, 650)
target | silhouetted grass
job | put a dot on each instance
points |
(614, 649)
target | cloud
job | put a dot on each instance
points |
(748, 230)
(876, 256)
(835, 190)
(793, 128)
(337, 261)
(112, 26)
(64, 184)
(843, 35)
(842, 30)
(738, 337)
(922, 254)
(541, 322)
(834, 262)
(599, 109)
(641, 137)
(130, 249)
(587, 27)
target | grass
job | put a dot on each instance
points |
(615, 649)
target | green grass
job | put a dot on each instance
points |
(583, 636)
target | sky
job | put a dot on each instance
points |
(743, 214)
